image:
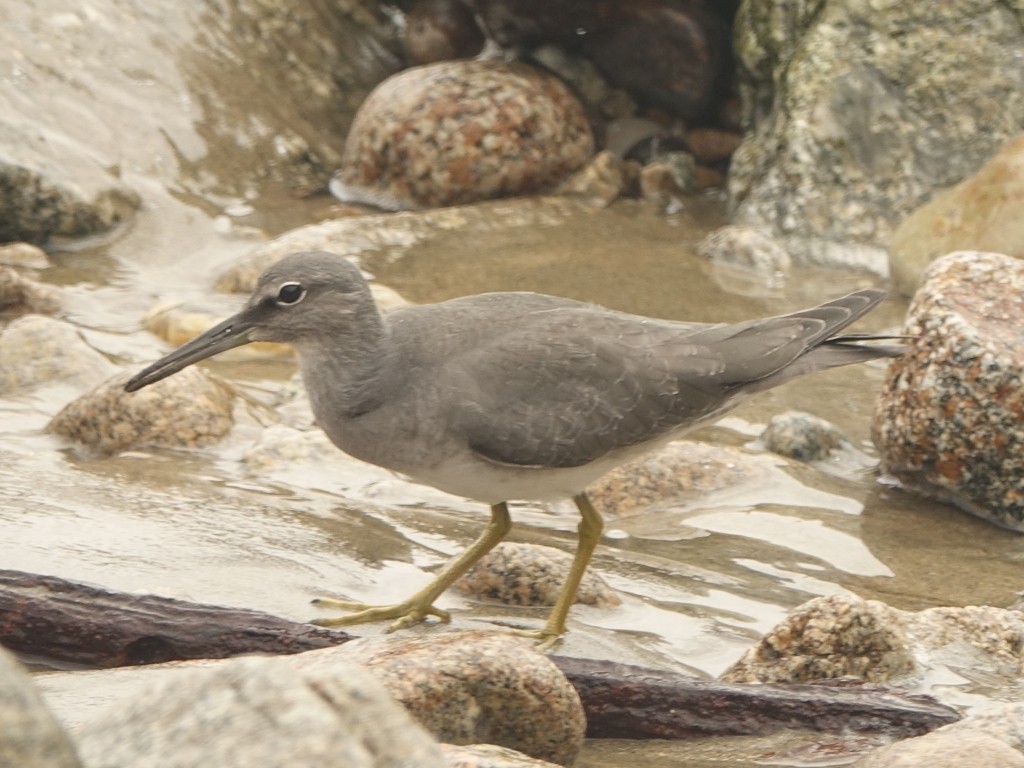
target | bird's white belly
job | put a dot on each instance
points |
(476, 478)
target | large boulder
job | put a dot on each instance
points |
(981, 213)
(858, 110)
(949, 419)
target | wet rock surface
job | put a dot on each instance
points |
(489, 756)
(462, 131)
(981, 213)
(80, 161)
(22, 296)
(260, 712)
(398, 233)
(190, 409)
(850, 110)
(948, 421)
(472, 687)
(528, 574)
(30, 737)
(37, 350)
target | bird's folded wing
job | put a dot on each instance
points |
(571, 398)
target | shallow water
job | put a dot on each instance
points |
(700, 582)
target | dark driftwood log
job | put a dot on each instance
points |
(49, 618)
(628, 702)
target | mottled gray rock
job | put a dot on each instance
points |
(259, 712)
(859, 110)
(473, 687)
(22, 296)
(530, 574)
(948, 419)
(399, 233)
(805, 437)
(944, 749)
(36, 350)
(829, 637)
(745, 248)
(981, 213)
(489, 756)
(29, 735)
(992, 739)
(189, 409)
(459, 132)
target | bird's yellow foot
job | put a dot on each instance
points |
(405, 614)
(546, 638)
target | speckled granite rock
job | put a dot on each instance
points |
(530, 574)
(29, 735)
(488, 756)
(459, 132)
(473, 687)
(841, 635)
(981, 213)
(992, 739)
(679, 470)
(22, 296)
(860, 110)
(189, 409)
(825, 638)
(400, 233)
(36, 350)
(948, 421)
(259, 712)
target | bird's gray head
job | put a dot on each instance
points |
(297, 300)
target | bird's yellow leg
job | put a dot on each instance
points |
(590, 528)
(420, 605)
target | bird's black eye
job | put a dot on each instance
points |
(290, 293)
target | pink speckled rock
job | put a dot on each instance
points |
(461, 131)
(950, 420)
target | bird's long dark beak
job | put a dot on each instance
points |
(233, 332)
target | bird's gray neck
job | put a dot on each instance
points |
(344, 371)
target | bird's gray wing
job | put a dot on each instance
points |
(567, 390)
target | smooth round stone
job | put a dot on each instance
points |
(190, 409)
(462, 131)
(472, 688)
(530, 574)
(37, 350)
